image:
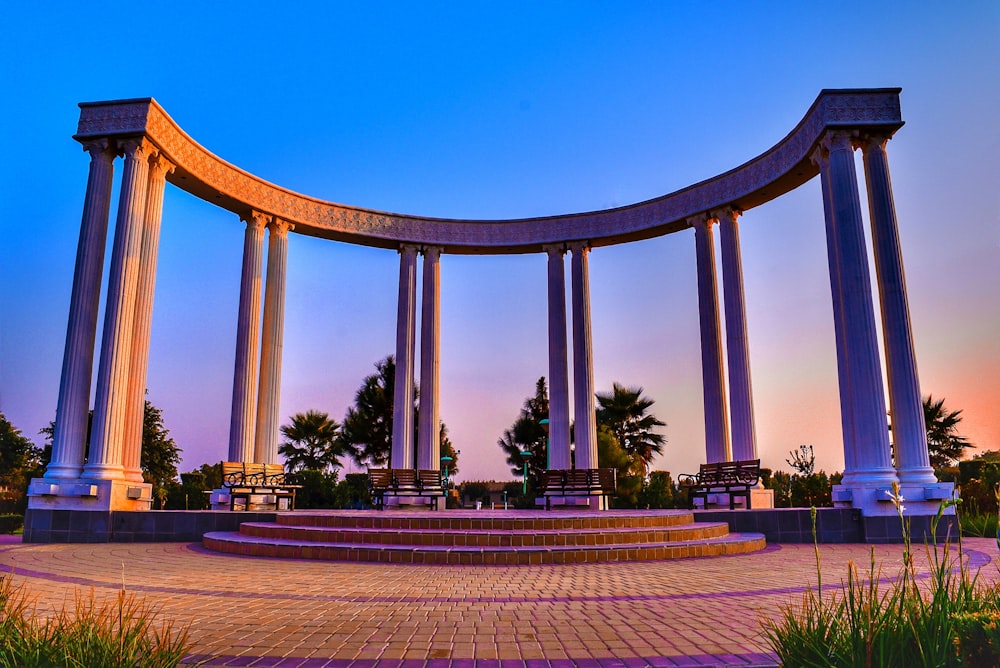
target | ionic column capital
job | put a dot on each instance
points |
(408, 249)
(432, 253)
(582, 246)
(820, 157)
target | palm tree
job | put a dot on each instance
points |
(312, 442)
(623, 412)
(527, 434)
(944, 444)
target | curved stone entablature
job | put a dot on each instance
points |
(777, 171)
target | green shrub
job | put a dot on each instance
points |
(977, 638)
(11, 523)
(940, 621)
(979, 524)
(112, 634)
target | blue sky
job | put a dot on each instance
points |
(495, 110)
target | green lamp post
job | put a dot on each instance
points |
(525, 454)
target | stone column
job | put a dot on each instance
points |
(559, 453)
(159, 167)
(716, 427)
(243, 420)
(821, 158)
(909, 432)
(111, 406)
(269, 396)
(406, 334)
(744, 440)
(429, 435)
(70, 435)
(874, 464)
(583, 362)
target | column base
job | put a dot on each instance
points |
(89, 494)
(876, 500)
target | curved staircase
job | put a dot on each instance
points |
(484, 537)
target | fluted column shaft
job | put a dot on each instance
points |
(269, 396)
(243, 420)
(865, 373)
(744, 440)
(70, 435)
(821, 159)
(159, 167)
(583, 360)
(559, 453)
(429, 429)
(716, 427)
(909, 432)
(111, 406)
(406, 334)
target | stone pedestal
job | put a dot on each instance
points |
(89, 494)
(874, 500)
(761, 499)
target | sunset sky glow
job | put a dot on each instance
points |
(505, 110)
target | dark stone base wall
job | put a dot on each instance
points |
(116, 526)
(833, 525)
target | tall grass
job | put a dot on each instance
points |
(943, 619)
(112, 634)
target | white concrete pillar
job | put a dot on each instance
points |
(583, 361)
(243, 419)
(429, 428)
(716, 427)
(107, 439)
(559, 452)
(159, 167)
(874, 464)
(269, 396)
(909, 432)
(406, 334)
(744, 440)
(821, 158)
(70, 435)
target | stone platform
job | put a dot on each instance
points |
(486, 537)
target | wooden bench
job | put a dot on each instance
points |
(246, 479)
(579, 482)
(420, 483)
(732, 478)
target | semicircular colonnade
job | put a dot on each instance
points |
(156, 150)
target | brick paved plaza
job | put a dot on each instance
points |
(246, 611)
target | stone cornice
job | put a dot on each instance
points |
(775, 172)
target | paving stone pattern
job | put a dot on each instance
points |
(254, 611)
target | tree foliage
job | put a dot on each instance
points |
(367, 429)
(160, 454)
(527, 434)
(944, 444)
(20, 460)
(624, 412)
(312, 442)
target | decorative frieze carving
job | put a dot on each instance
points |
(756, 181)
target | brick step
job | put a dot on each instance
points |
(488, 520)
(447, 537)
(243, 544)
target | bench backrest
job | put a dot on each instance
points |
(429, 478)
(577, 479)
(744, 471)
(254, 474)
(274, 474)
(404, 477)
(232, 473)
(380, 479)
(551, 479)
(606, 479)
